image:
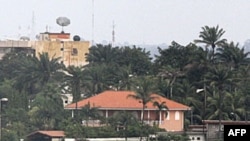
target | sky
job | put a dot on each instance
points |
(135, 21)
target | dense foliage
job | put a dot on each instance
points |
(34, 85)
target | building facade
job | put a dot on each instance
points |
(15, 46)
(57, 45)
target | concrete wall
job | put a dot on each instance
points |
(113, 139)
(56, 139)
(106, 139)
(13, 43)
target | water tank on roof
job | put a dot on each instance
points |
(76, 38)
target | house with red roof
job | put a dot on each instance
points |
(109, 102)
(46, 135)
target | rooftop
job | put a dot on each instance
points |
(121, 100)
(50, 133)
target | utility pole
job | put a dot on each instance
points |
(1, 100)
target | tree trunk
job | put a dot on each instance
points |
(220, 114)
(142, 118)
(160, 118)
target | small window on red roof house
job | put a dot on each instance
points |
(177, 115)
(168, 116)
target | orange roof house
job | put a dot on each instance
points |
(109, 102)
(46, 135)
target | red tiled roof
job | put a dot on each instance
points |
(50, 133)
(120, 100)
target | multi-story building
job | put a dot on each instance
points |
(71, 52)
(15, 45)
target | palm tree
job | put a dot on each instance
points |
(47, 107)
(89, 112)
(73, 77)
(211, 36)
(213, 110)
(220, 78)
(102, 54)
(161, 106)
(234, 103)
(45, 68)
(171, 74)
(232, 55)
(97, 78)
(33, 73)
(144, 90)
(123, 78)
(122, 119)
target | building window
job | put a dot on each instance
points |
(74, 51)
(168, 116)
(198, 138)
(177, 115)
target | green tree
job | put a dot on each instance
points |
(97, 79)
(144, 90)
(175, 56)
(171, 74)
(41, 114)
(88, 113)
(37, 71)
(74, 80)
(121, 121)
(211, 36)
(161, 106)
(137, 58)
(220, 78)
(123, 78)
(99, 54)
(232, 55)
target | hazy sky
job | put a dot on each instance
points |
(136, 21)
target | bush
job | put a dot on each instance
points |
(8, 135)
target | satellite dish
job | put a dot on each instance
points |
(63, 21)
(76, 38)
(24, 38)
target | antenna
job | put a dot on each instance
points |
(33, 25)
(93, 22)
(28, 31)
(19, 31)
(47, 29)
(113, 35)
